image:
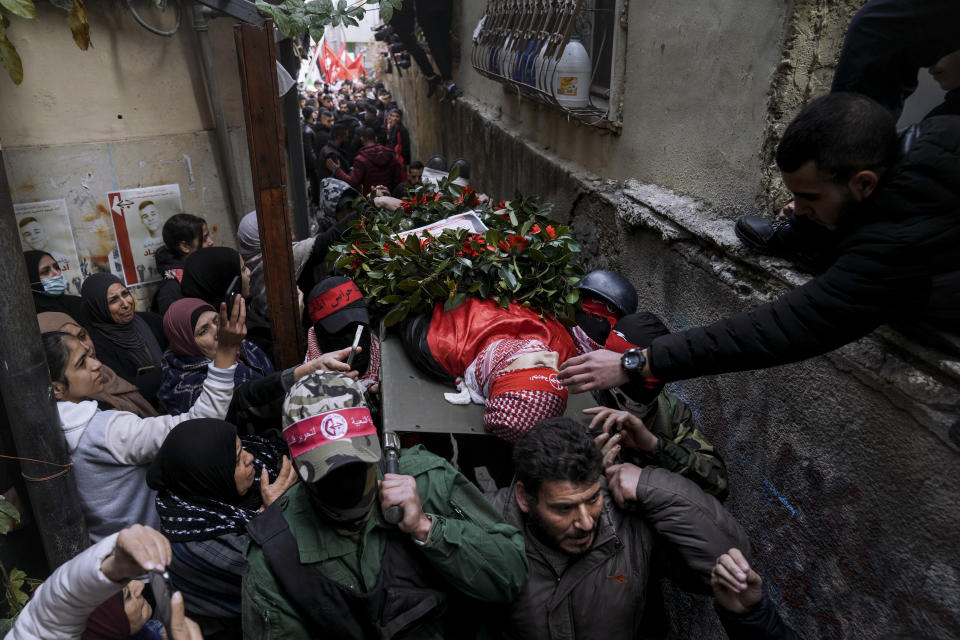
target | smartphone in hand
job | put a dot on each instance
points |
(235, 288)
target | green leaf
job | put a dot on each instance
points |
(66, 5)
(526, 227)
(455, 301)
(574, 296)
(409, 284)
(375, 275)
(513, 217)
(397, 314)
(23, 8)
(11, 59)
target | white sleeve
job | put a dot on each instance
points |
(133, 440)
(61, 605)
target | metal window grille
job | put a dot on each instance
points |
(519, 43)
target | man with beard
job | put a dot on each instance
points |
(323, 560)
(592, 547)
(892, 214)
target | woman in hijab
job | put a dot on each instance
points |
(248, 244)
(128, 341)
(48, 284)
(210, 483)
(117, 393)
(208, 272)
(190, 325)
(125, 615)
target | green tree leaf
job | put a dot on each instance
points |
(11, 59)
(23, 8)
(397, 314)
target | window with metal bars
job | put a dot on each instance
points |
(521, 44)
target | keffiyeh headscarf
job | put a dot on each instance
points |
(513, 401)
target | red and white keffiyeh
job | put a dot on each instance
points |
(493, 358)
(520, 399)
(367, 380)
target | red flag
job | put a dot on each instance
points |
(343, 47)
(335, 68)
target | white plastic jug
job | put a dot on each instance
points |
(571, 79)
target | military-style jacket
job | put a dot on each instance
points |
(601, 594)
(470, 546)
(681, 448)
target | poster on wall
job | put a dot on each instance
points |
(45, 226)
(138, 216)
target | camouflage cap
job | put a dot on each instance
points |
(326, 424)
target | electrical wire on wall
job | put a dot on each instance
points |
(154, 30)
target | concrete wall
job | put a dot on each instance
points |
(131, 111)
(844, 468)
(695, 104)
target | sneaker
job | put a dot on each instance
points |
(451, 92)
(433, 82)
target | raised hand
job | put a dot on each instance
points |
(139, 549)
(736, 586)
(633, 433)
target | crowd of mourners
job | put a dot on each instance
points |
(227, 498)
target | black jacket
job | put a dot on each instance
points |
(148, 382)
(889, 41)
(763, 622)
(400, 135)
(169, 290)
(897, 260)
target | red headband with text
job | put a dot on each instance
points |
(328, 427)
(333, 300)
(533, 379)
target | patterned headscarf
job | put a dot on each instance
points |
(513, 401)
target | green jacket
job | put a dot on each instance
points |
(681, 448)
(470, 545)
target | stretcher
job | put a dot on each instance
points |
(413, 402)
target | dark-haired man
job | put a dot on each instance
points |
(590, 547)
(373, 166)
(414, 180)
(892, 218)
(334, 150)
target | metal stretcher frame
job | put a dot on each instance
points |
(413, 402)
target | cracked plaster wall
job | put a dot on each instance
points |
(131, 111)
(844, 468)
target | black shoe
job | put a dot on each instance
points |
(795, 239)
(451, 92)
(433, 82)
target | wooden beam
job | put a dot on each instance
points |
(265, 136)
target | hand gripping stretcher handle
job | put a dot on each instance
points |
(391, 454)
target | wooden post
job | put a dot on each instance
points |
(30, 407)
(265, 135)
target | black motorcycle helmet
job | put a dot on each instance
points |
(464, 167)
(612, 288)
(437, 163)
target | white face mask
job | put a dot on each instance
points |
(54, 285)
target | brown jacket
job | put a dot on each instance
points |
(601, 594)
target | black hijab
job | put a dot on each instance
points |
(43, 301)
(197, 460)
(135, 337)
(208, 272)
(193, 475)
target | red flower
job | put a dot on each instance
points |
(355, 265)
(504, 245)
(386, 247)
(518, 242)
(551, 231)
(536, 228)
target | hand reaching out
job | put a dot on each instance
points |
(139, 549)
(736, 586)
(630, 429)
(285, 479)
(595, 370)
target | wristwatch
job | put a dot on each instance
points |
(423, 543)
(633, 361)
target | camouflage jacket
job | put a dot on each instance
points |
(681, 448)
